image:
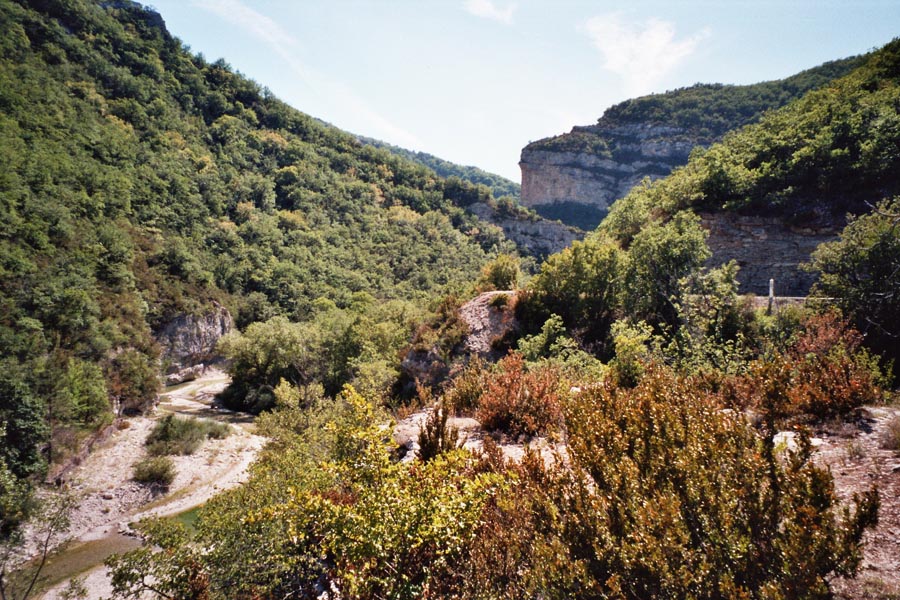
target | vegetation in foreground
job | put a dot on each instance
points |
(667, 389)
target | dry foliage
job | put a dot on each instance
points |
(518, 402)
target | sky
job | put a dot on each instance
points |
(474, 81)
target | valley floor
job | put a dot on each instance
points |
(108, 499)
(851, 450)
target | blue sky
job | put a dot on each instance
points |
(473, 81)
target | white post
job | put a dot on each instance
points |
(771, 295)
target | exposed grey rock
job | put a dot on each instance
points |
(596, 179)
(190, 340)
(487, 322)
(765, 248)
(540, 237)
(184, 375)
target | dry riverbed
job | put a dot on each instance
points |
(108, 500)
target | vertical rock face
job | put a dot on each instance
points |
(765, 248)
(538, 237)
(576, 177)
(190, 340)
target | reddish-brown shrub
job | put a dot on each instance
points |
(823, 332)
(824, 373)
(520, 402)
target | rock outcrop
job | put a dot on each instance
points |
(489, 318)
(576, 178)
(538, 237)
(765, 248)
(189, 342)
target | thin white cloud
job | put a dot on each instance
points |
(286, 47)
(640, 53)
(486, 9)
(250, 20)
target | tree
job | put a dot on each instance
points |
(583, 285)
(502, 273)
(659, 257)
(22, 423)
(861, 271)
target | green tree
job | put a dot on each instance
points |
(23, 419)
(861, 271)
(583, 285)
(659, 257)
(502, 273)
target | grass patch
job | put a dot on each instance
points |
(155, 470)
(176, 435)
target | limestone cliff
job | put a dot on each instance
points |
(575, 177)
(765, 248)
(189, 342)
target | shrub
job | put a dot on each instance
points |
(631, 341)
(436, 435)
(664, 495)
(502, 273)
(176, 435)
(824, 373)
(520, 402)
(467, 387)
(156, 471)
(890, 437)
(500, 301)
(861, 271)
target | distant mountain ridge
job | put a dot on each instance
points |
(575, 177)
(499, 185)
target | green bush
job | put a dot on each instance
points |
(155, 470)
(176, 435)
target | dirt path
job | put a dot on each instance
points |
(857, 461)
(109, 499)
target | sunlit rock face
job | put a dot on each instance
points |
(189, 341)
(577, 176)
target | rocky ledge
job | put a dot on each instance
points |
(189, 341)
(577, 176)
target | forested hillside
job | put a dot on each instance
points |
(139, 182)
(499, 186)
